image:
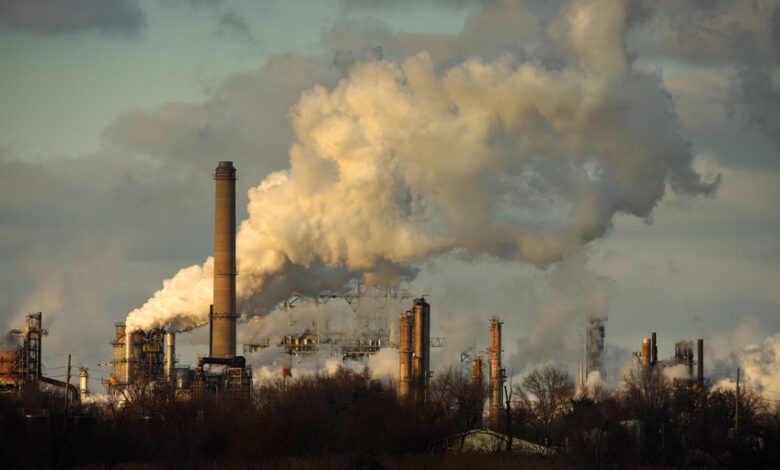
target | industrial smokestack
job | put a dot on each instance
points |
(422, 349)
(700, 363)
(478, 386)
(646, 355)
(223, 316)
(405, 350)
(654, 345)
(496, 372)
(83, 383)
(170, 355)
(128, 355)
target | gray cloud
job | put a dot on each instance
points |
(234, 27)
(755, 98)
(87, 238)
(123, 17)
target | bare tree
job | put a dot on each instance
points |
(547, 393)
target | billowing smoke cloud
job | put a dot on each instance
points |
(267, 363)
(759, 366)
(510, 158)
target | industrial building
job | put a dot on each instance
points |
(21, 360)
(594, 346)
(139, 355)
(415, 353)
(647, 360)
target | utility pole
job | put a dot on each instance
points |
(736, 409)
(67, 388)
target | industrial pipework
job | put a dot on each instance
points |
(223, 315)
(405, 350)
(422, 349)
(496, 372)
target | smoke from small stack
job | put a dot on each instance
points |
(401, 162)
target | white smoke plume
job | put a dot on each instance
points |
(759, 367)
(513, 158)
(267, 363)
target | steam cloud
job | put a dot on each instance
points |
(513, 158)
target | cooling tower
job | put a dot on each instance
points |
(223, 315)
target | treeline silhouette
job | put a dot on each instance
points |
(348, 419)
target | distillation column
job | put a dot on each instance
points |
(405, 351)
(496, 372)
(223, 315)
(422, 349)
(646, 355)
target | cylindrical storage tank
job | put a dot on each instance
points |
(183, 378)
(223, 321)
(646, 354)
(405, 359)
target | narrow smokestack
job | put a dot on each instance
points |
(478, 387)
(654, 358)
(405, 350)
(496, 372)
(700, 363)
(422, 349)
(170, 354)
(223, 316)
(646, 355)
(128, 356)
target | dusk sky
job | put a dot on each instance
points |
(542, 161)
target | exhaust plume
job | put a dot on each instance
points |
(400, 162)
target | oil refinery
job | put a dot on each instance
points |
(149, 356)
